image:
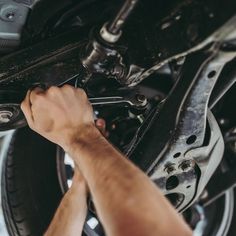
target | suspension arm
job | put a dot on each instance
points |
(172, 147)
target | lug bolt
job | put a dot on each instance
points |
(186, 165)
(169, 168)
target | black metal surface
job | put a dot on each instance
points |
(224, 83)
(52, 62)
(142, 152)
(218, 185)
(180, 138)
(159, 29)
(147, 41)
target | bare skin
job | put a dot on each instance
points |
(127, 202)
(70, 216)
(72, 211)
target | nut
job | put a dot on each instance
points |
(141, 99)
(169, 168)
(186, 165)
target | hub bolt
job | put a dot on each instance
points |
(170, 168)
(186, 165)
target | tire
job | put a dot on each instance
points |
(30, 188)
(31, 191)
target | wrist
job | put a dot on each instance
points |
(86, 135)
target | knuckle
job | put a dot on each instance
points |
(22, 105)
(33, 96)
(31, 125)
(82, 93)
(37, 99)
(53, 90)
(67, 87)
(38, 90)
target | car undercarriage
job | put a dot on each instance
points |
(160, 74)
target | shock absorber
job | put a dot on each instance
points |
(112, 31)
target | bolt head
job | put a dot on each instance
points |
(9, 12)
(141, 99)
(10, 15)
(186, 165)
(170, 168)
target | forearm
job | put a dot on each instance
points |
(127, 202)
(123, 195)
(70, 216)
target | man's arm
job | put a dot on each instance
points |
(70, 216)
(127, 202)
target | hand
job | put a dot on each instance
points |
(101, 126)
(62, 115)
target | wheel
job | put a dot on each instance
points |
(30, 187)
(35, 173)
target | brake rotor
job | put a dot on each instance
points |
(11, 116)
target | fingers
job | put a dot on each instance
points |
(27, 103)
(101, 126)
(33, 95)
(39, 98)
(26, 108)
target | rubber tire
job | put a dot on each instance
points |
(30, 187)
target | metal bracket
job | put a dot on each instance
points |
(171, 146)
